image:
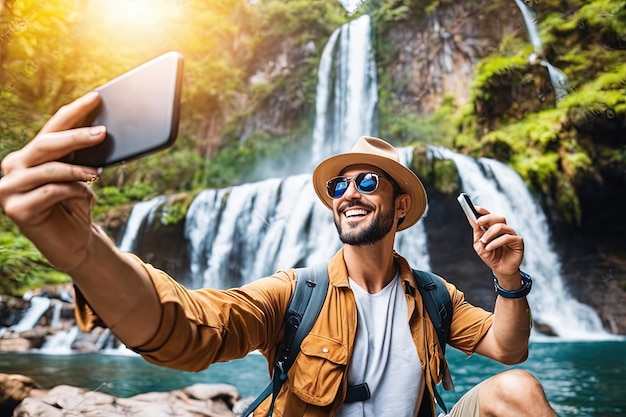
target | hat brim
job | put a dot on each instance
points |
(407, 180)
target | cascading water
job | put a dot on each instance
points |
(239, 234)
(500, 189)
(266, 226)
(38, 307)
(347, 92)
(557, 78)
(138, 215)
(351, 6)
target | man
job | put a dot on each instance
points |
(362, 333)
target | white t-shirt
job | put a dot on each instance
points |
(385, 356)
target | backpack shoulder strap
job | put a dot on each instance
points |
(304, 307)
(437, 301)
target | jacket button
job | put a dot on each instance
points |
(325, 350)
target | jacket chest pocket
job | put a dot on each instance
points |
(318, 370)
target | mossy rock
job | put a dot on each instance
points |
(173, 211)
(442, 174)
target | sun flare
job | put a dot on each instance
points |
(136, 13)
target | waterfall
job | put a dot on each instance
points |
(245, 232)
(351, 6)
(241, 233)
(501, 190)
(412, 243)
(55, 323)
(557, 78)
(60, 343)
(38, 307)
(139, 214)
(347, 92)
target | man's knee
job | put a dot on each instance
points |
(517, 382)
(517, 391)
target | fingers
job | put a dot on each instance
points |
(52, 147)
(493, 232)
(488, 219)
(508, 240)
(32, 208)
(59, 137)
(46, 173)
(72, 114)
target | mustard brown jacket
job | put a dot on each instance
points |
(200, 327)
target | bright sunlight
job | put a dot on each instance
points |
(136, 14)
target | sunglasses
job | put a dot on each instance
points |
(365, 183)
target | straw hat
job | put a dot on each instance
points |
(378, 153)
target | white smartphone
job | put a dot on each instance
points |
(468, 208)
(140, 110)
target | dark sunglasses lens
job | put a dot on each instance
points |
(337, 186)
(366, 182)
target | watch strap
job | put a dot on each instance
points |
(527, 284)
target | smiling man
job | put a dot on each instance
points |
(372, 330)
(359, 222)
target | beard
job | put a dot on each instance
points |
(365, 234)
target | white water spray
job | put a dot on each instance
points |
(346, 107)
(557, 78)
(501, 190)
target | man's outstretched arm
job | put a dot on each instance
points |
(50, 202)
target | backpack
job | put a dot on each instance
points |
(306, 303)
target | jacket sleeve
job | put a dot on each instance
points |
(200, 327)
(469, 323)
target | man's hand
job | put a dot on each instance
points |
(503, 251)
(499, 247)
(50, 201)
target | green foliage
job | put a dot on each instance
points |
(392, 11)
(604, 92)
(51, 53)
(176, 211)
(439, 128)
(446, 176)
(245, 161)
(302, 20)
(587, 41)
(537, 168)
(497, 72)
(22, 267)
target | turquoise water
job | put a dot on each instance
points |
(580, 379)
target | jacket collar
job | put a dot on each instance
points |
(338, 272)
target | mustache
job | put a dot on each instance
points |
(354, 204)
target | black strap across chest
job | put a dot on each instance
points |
(304, 308)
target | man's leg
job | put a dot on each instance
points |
(514, 393)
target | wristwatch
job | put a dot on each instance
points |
(527, 283)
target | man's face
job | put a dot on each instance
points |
(364, 219)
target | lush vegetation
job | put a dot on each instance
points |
(248, 64)
(53, 52)
(513, 114)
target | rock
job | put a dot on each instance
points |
(199, 400)
(209, 391)
(545, 329)
(70, 398)
(36, 336)
(14, 344)
(34, 407)
(13, 389)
